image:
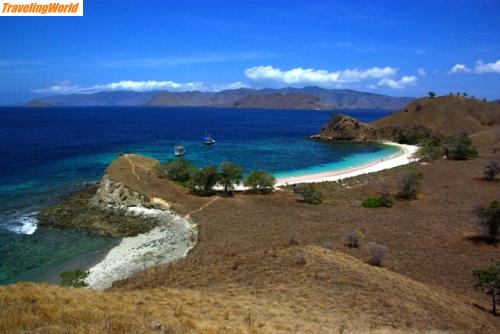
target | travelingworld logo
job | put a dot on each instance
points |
(41, 8)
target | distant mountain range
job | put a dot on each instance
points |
(312, 98)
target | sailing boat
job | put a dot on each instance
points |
(208, 140)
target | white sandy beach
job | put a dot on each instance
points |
(401, 158)
(168, 242)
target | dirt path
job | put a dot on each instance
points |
(200, 208)
(133, 169)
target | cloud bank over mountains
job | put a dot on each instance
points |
(258, 76)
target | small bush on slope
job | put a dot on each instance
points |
(309, 193)
(409, 184)
(491, 170)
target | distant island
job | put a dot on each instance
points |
(309, 98)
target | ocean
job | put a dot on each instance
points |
(46, 153)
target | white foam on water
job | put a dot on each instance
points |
(25, 224)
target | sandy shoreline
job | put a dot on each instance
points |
(169, 241)
(401, 158)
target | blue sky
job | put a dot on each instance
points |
(402, 48)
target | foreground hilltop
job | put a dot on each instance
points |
(440, 117)
(312, 98)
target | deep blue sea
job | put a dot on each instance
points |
(48, 152)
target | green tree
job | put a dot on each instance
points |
(74, 278)
(178, 170)
(490, 220)
(204, 180)
(260, 181)
(409, 184)
(488, 280)
(230, 174)
(432, 95)
(460, 147)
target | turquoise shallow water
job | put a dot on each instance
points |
(49, 152)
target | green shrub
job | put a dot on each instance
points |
(309, 193)
(430, 149)
(460, 147)
(230, 174)
(178, 170)
(74, 278)
(377, 202)
(409, 184)
(204, 180)
(261, 181)
(413, 136)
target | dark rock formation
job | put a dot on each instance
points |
(100, 209)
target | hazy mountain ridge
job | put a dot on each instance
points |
(285, 98)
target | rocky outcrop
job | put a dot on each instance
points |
(114, 195)
(343, 127)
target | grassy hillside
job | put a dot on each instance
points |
(445, 115)
(268, 292)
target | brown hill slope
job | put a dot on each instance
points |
(264, 292)
(444, 115)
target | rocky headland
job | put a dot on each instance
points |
(426, 117)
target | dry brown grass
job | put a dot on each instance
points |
(445, 115)
(267, 293)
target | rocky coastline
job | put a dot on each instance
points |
(101, 209)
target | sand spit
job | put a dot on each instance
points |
(169, 241)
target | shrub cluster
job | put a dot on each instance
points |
(308, 193)
(460, 147)
(377, 202)
(227, 175)
(430, 149)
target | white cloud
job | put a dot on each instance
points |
(421, 72)
(487, 68)
(479, 68)
(66, 87)
(460, 68)
(307, 76)
(398, 84)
